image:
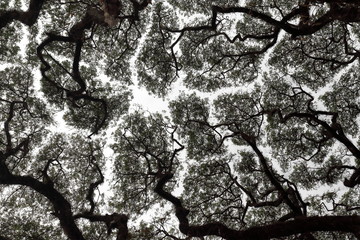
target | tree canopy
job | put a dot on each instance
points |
(260, 140)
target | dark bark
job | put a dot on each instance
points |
(62, 208)
(76, 36)
(297, 211)
(4, 238)
(334, 130)
(28, 18)
(344, 11)
(113, 221)
(349, 224)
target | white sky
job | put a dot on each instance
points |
(141, 98)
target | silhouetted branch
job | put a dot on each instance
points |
(113, 221)
(300, 224)
(28, 18)
(61, 206)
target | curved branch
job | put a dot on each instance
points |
(283, 193)
(138, 7)
(282, 24)
(334, 129)
(217, 229)
(350, 224)
(115, 220)
(61, 206)
(28, 18)
(75, 36)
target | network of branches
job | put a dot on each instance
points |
(260, 139)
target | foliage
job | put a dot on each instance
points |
(262, 143)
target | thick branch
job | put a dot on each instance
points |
(345, 11)
(302, 225)
(75, 36)
(350, 224)
(113, 221)
(28, 18)
(138, 7)
(61, 206)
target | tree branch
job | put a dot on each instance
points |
(115, 220)
(302, 224)
(61, 206)
(28, 18)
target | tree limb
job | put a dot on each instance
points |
(302, 224)
(28, 18)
